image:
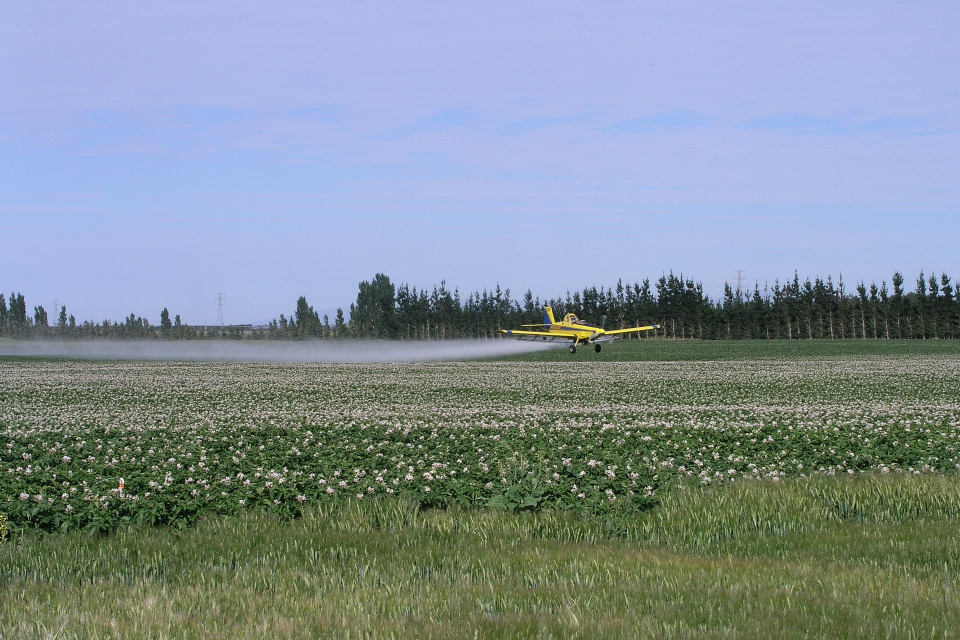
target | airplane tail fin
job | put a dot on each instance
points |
(548, 316)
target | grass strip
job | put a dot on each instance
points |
(824, 557)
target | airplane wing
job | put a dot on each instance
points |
(634, 329)
(546, 334)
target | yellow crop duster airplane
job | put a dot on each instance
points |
(572, 328)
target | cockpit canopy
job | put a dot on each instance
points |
(573, 319)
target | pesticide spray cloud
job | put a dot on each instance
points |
(230, 351)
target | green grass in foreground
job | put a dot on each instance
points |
(868, 557)
(657, 349)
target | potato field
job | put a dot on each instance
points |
(190, 439)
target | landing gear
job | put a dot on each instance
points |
(596, 348)
(573, 348)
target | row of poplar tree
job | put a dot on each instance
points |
(16, 322)
(817, 309)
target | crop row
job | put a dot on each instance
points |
(196, 438)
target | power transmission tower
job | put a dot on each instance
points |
(740, 274)
(220, 301)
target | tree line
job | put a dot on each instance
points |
(15, 322)
(794, 309)
(817, 309)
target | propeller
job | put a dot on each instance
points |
(597, 334)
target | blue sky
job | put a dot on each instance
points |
(159, 153)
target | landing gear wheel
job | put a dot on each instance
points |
(573, 348)
(596, 348)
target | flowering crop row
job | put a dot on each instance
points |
(195, 438)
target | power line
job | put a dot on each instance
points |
(220, 301)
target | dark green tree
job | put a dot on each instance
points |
(374, 313)
(885, 306)
(862, 308)
(17, 323)
(920, 305)
(897, 304)
(933, 305)
(306, 320)
(40, 322)
(166, 327)
(947, 311)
